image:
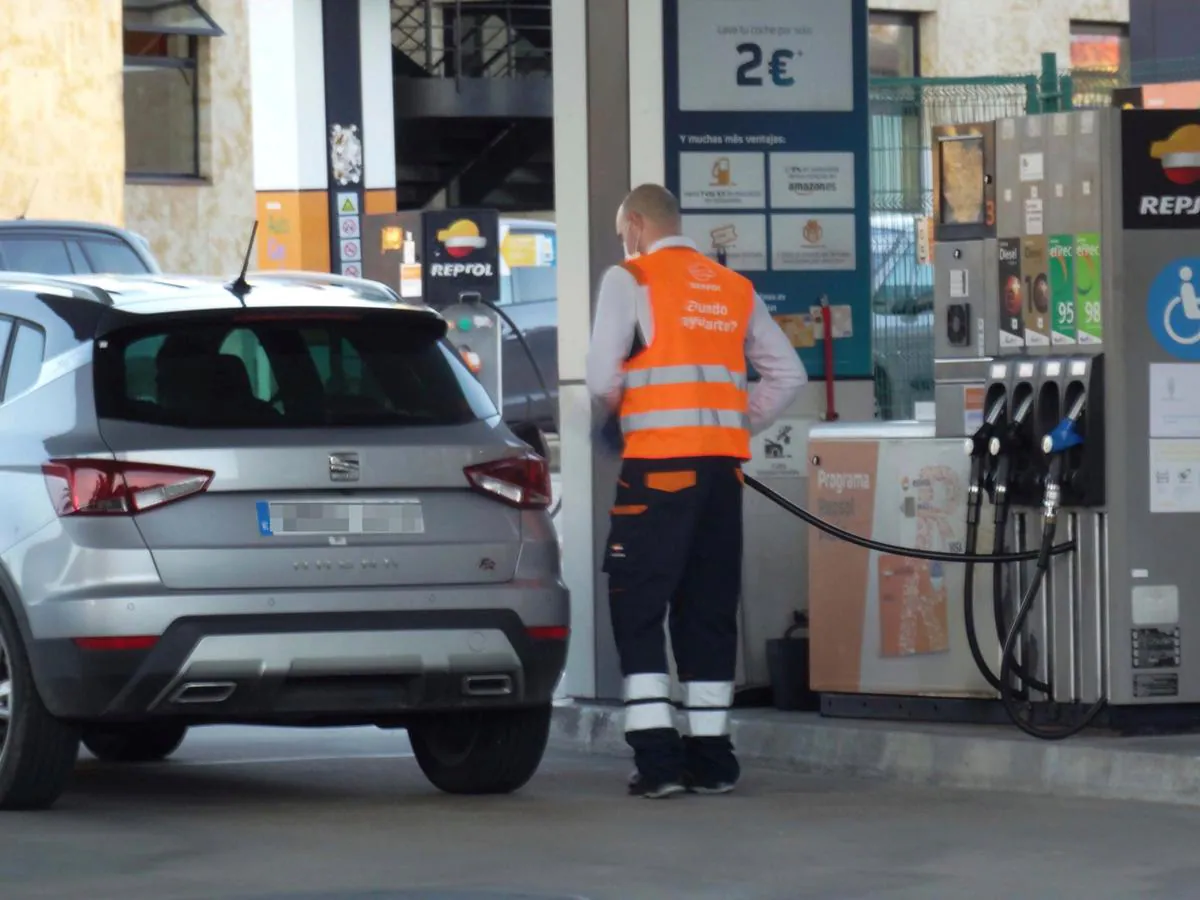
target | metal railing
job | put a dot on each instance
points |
(473, 38)
(904, 112)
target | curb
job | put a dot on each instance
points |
(1153, 770)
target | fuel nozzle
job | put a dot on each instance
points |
(1065, 434)
(977, 445)
(1062, 438)
(1003, 442)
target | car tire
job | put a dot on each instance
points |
(483, 752)
(37, 751)
(134, 743)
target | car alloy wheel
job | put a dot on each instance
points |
(6, 695)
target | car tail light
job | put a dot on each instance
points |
(549, 632)
(106, 487)
(141, 642)
(520, 481)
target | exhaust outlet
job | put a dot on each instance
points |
(487, 685)
(204, 692)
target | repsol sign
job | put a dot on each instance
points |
(1169, 206)
(460, 255)
(460, 270)
(1160, 164)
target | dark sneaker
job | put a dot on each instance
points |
(639, 787)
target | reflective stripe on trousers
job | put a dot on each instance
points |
(648, 702)
(707, 704)
(667, 375)
(685, 418)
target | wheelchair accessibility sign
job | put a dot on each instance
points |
(1173, 309)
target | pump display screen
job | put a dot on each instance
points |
(961, 163)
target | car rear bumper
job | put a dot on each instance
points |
(361, 667)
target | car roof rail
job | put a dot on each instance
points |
(48, 284)
(367, 289)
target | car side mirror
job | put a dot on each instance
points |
(532, 435)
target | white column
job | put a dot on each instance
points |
(647, 162)
(287, 94)
(592, 155)
(378, 105)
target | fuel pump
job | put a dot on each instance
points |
(1056, 444)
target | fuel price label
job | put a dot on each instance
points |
(1088, 281)
(1062, 289)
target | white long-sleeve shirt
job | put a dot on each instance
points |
(623, 308)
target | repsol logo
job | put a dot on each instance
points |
(844, 481)
(1009, 255)
(457, 270)
(1170, 206)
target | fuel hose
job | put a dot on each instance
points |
(1008, 656)
(911, 552)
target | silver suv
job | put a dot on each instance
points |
(292, 507)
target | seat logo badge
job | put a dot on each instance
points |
(343, 467)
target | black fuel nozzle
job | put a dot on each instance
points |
(976, 446)
(982, 466)
(1011, 448)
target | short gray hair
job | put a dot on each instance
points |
(655, 203)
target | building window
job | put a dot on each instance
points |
(894, 45)
(162, 96)
(1100, 47)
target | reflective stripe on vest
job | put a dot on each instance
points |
(664, 375)
(685, 418)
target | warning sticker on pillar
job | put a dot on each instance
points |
(767, 133)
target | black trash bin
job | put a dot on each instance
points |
(787, 665)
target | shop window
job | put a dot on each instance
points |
(893, 48)
(1100, 47)
(163, 56)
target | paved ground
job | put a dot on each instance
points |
(269, 815)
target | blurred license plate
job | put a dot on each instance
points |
(340, 517)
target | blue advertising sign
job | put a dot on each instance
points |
(767, 147)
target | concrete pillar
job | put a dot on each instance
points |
(324, 129)
(287, 86)
(378, 106)
(592, 176)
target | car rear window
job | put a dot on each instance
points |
(269, 371)
(112, 257)
(43, 255)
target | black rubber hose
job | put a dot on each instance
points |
(1026, 677)
(969, 614)
(537, 371)
(909, 552)
(974, 505)
(1008, 654)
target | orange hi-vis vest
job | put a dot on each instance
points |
(686, 392)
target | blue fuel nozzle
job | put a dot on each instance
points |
(1063, 437)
